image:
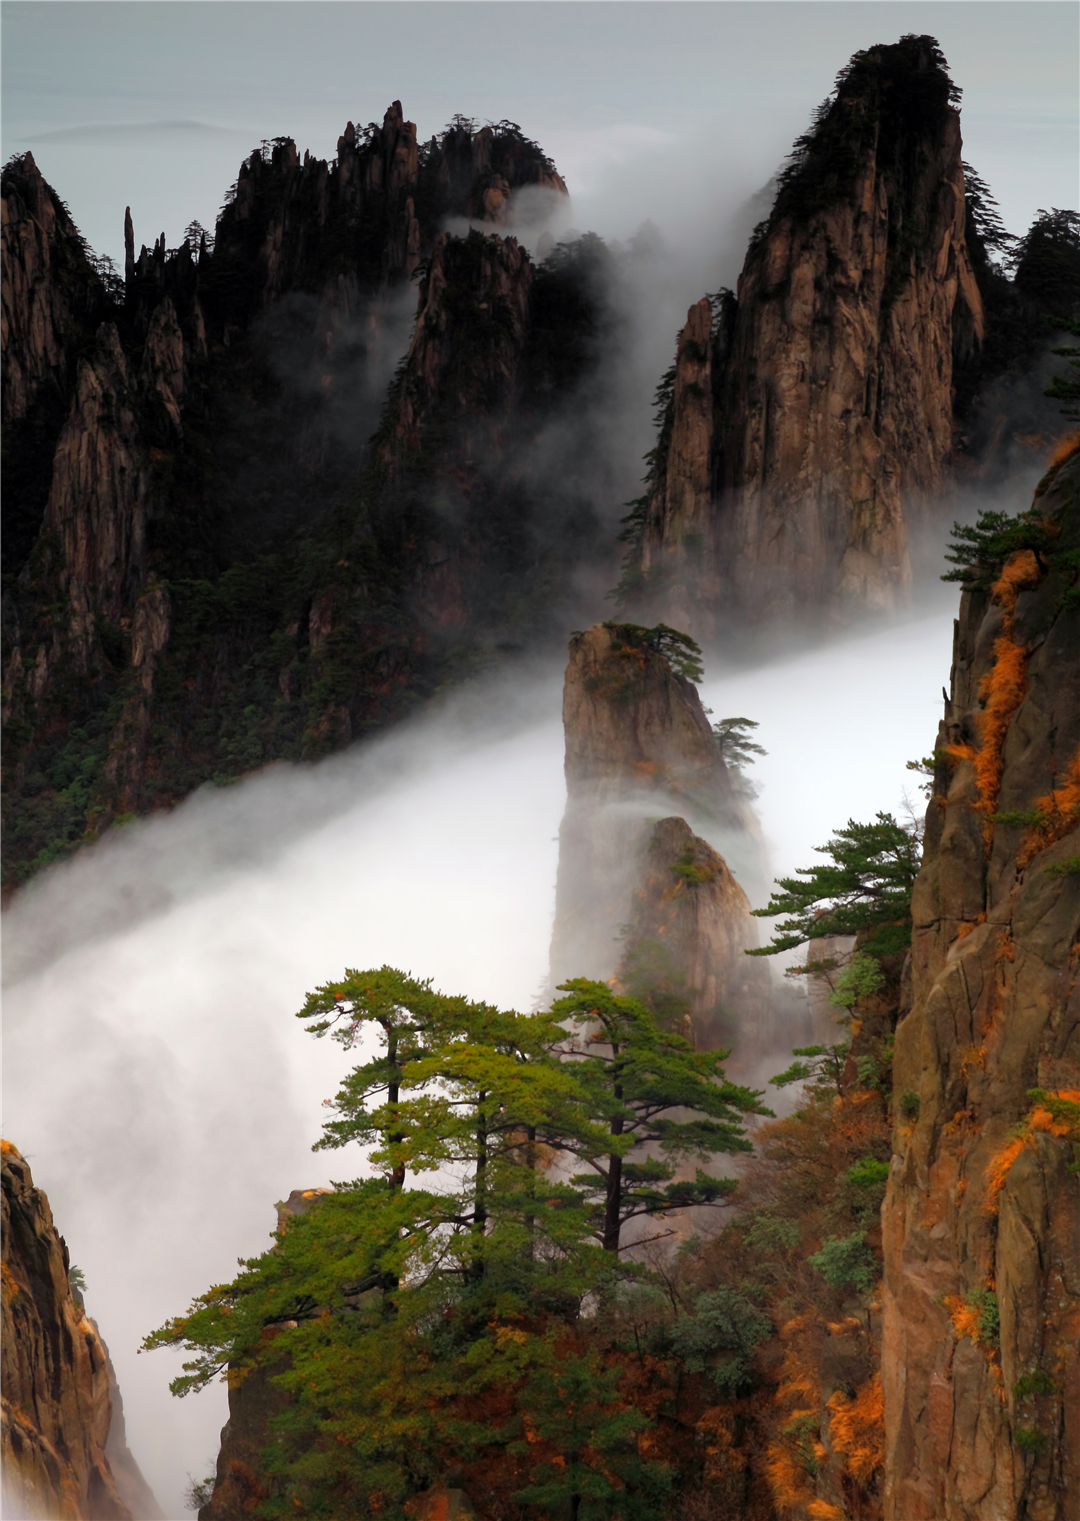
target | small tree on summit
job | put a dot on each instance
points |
(682, 653)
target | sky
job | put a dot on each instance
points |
(644, 107)
(155, 1075)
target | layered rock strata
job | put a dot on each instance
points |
(982, 1215)
(812, 413)
(62, 1456)
(649, 901)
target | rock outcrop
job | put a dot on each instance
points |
(811, 415)
(982, 1215)
(240, 1480)
(215, 563)
(645, 901)
(59, 1441)
(688, 932)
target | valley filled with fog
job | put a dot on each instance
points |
(157, 1080)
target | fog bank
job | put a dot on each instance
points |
(156, 1077)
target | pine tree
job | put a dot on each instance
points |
(867, 886)
(638, 1077)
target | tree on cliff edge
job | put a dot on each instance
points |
(865, 887)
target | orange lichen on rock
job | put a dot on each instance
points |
(1040, 1118)
(1059, 810)
(998, 1168)
(1065, 448)
(964, 1317)
(1020, 569)
(1002, 689)
(788, 1479)
(857, 1430)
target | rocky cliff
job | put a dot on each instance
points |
(62, 1455)
(649, 901)
(240, 1479)
(982, 1215)
(688, 930)
(211, 565)
(811, 414)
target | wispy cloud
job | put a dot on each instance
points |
(120, 134)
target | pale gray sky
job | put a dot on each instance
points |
(648, 108)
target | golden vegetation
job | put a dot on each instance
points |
(1058, 811)
(1064, 449)
(1049, 1114)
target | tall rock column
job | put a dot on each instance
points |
(640, 897)
(982, 1215)
(830, 378)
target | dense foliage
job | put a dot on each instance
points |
(865, 886)
(459, 1318)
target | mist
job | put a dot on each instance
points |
(156, 1078)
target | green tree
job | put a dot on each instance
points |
(979, 550)
(738, 750)
(820, 1067)
(413, 1326)
(682, 653)
(461, 1084)
(866, 886)
(984, 216)
(574, 1406)
(638, 1078)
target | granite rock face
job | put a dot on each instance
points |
(982, 1215)
(219, 556)
(812, 412)
(689, 929)
(58, 1436)
(645, 901)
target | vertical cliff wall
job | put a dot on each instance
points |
(639, 896)
(812, 414)
(57, 1379)
(982, 1216)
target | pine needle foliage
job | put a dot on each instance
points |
(866, 886)
(979, 550)
(682, 653)
(640, 1078)
(413, 1327)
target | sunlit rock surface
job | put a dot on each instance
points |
(983, 1197)
(62, 1457)
(812, 413)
